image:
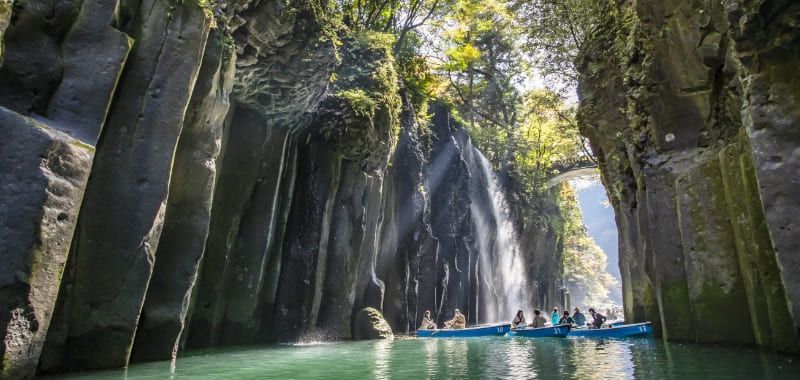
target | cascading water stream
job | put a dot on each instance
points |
(502, 268)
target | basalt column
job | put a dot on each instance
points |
(283, 67)
(122, 216)
(403, 282)
(691, 110)
(54, 95)
(449, 183)
(186, 221)
(767, 44)
(336, 214)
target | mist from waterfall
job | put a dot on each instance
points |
(501, 267)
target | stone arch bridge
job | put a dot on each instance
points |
(574, 167)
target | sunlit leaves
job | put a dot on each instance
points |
(460, 58)
(556, 31)
(584, 262)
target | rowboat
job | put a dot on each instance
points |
(471, 332)
(636, 329)
(559, 331)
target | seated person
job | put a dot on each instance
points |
(579, 318)
(555, 316)
(519, 320)
(427, 322)
(566, 319)
(458, 321)
(538, 319)
(597, 319)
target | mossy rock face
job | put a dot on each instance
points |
(360, 115)
(371, 325)
(681, 88)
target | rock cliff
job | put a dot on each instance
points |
(691, 108)
(177, 174)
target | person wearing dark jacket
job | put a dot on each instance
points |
(579, 318)
(597, 319)
(566, 319)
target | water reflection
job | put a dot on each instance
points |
(383, 353)
(520, 358)
(455, 356)
(431, 357)
(611, 358)
(481, 358)
(172, 368)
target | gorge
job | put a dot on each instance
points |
(179, 175)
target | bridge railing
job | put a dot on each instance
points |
(573, 163)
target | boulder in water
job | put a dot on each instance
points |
(371, 325)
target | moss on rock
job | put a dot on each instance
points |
(370, 324)
(360, 116)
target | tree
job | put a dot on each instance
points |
(399, 17)
(482, 66)
(585, 272)
(557, 30)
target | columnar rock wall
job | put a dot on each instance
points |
(691, 108)
(181, 175)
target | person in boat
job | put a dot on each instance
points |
(610, 314)
(555, 316)
(427, 322)
(566, 319)
(597, 319)
(458, 321)
(538, 319)
(519, 320)
(579, 318)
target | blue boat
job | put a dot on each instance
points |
(559, 331)
(470, 332)
(636, 329)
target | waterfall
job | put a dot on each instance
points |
(501, 268)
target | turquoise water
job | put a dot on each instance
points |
(479, 358)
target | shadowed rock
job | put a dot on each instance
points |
(186, 221)
(698, 164)
(42, 177)
(123, 213)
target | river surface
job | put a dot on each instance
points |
(478, 358)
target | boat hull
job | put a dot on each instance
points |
(471, 332)
(559, 331)
(636, 329)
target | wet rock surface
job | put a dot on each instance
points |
(370, 324)
(238, 193)
(699, 164)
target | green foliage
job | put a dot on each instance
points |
(482, 62)
(584, 262)
(358, 100)
(362, 116)
(485, 59)
(546, 136)
(557, 32)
